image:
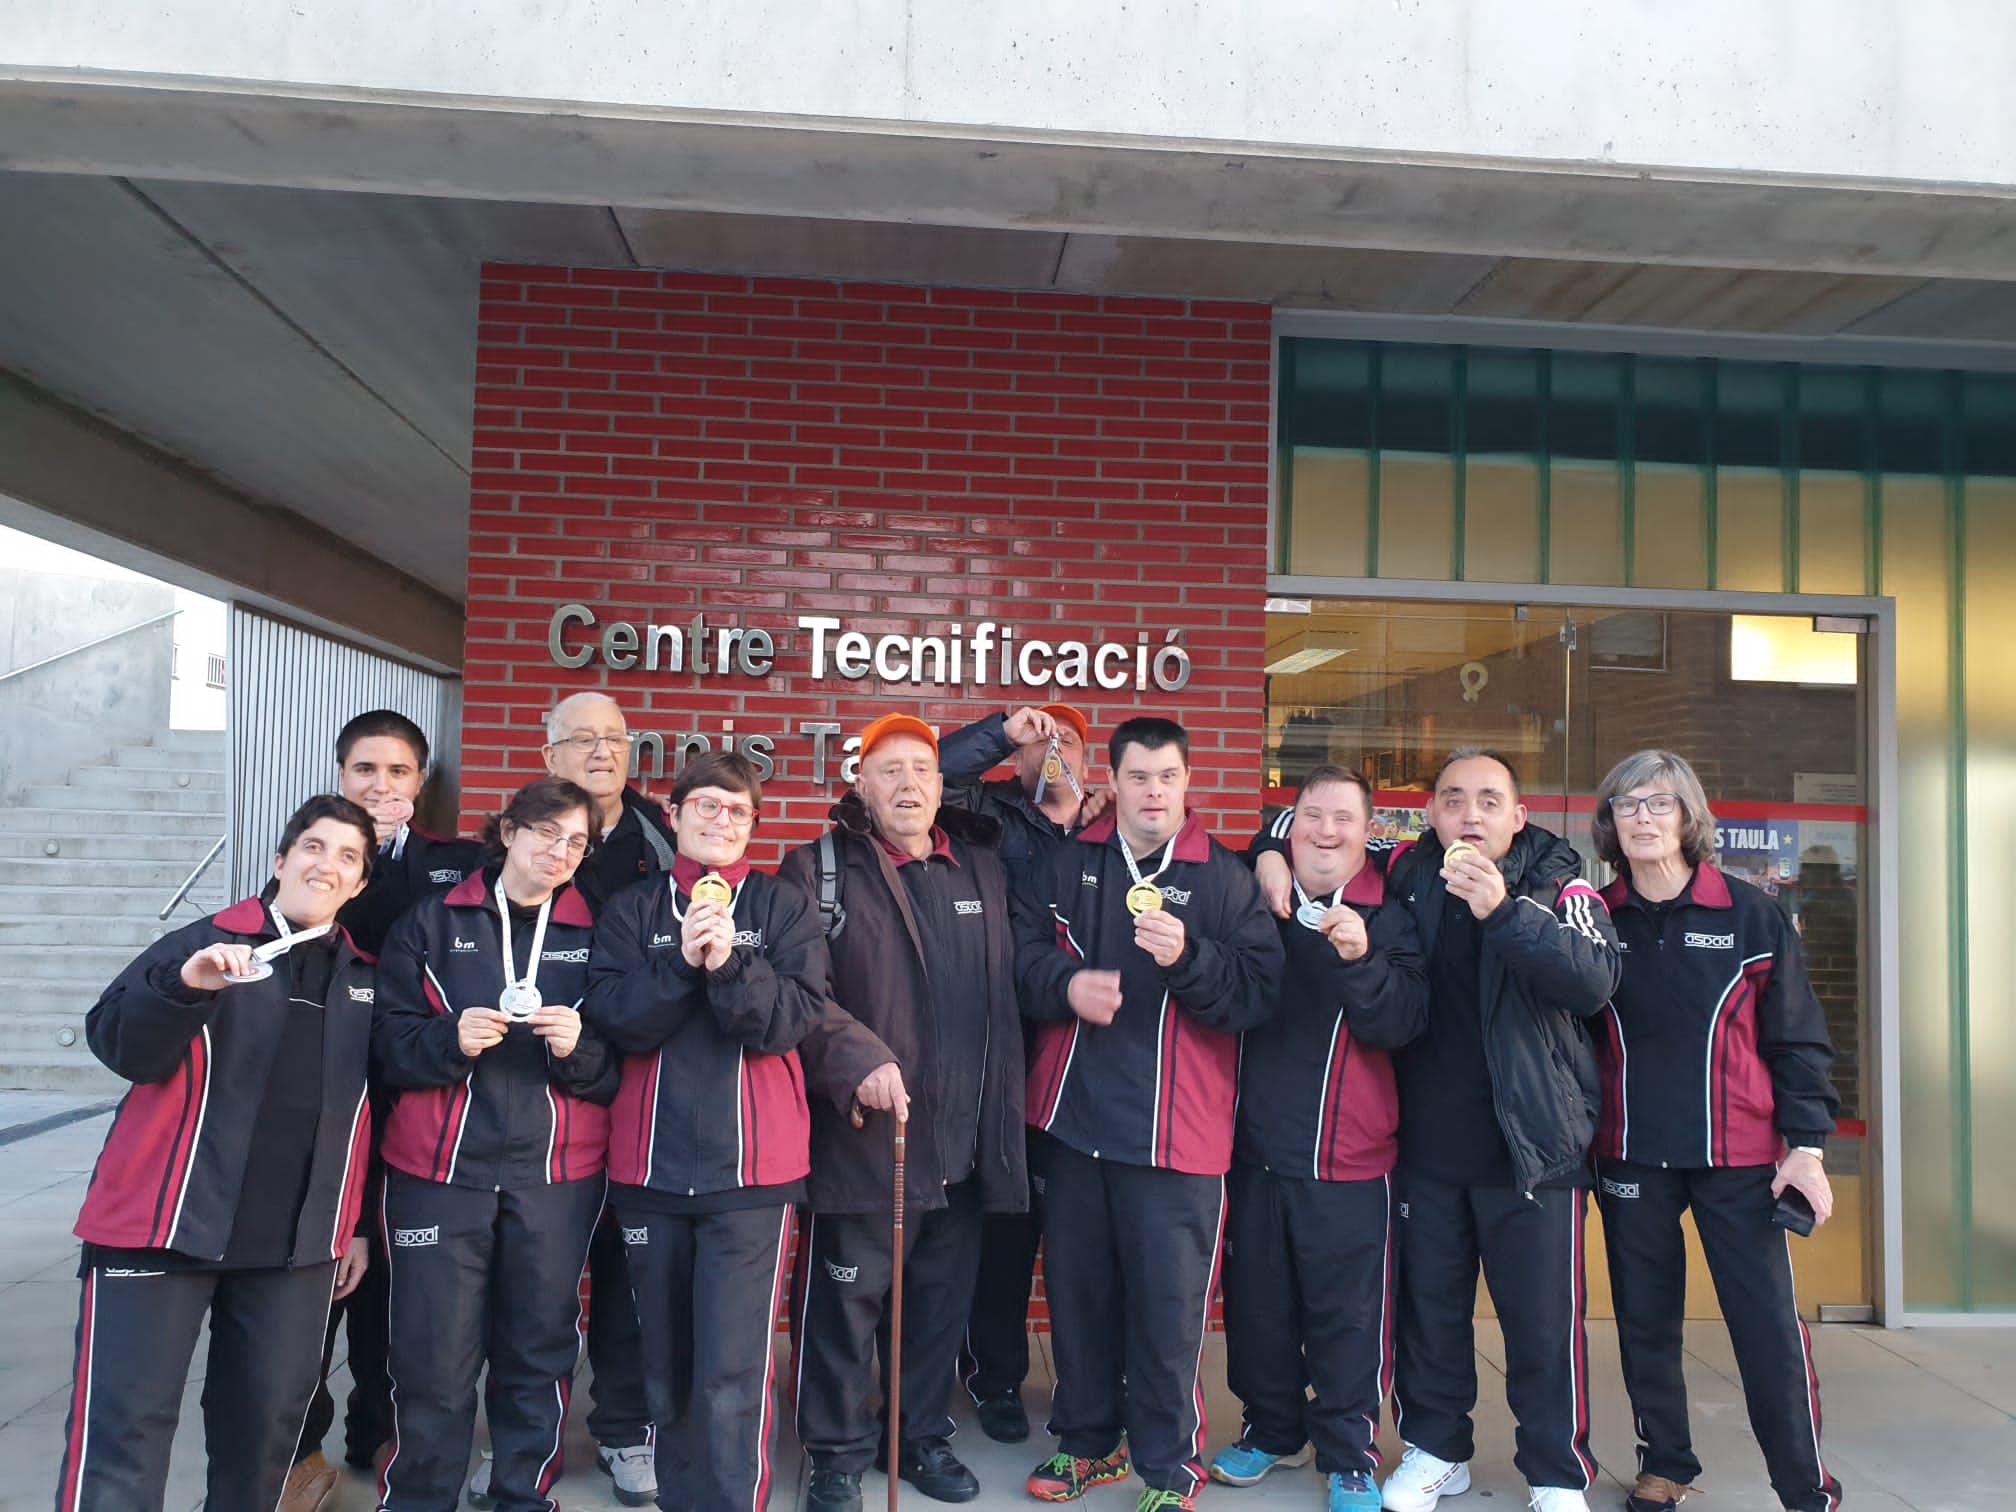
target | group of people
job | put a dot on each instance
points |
(417, 1086)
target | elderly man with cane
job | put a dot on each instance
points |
(915, 903)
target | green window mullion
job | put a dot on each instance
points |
(1710, 486)
(1284, 465)
(1872, 481)
(1543, 460)
(1627, 466)
(1788, 471)
(1373, 394)
(1459, 451)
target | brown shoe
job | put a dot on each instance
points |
(308, 1485)
(1655, 1493)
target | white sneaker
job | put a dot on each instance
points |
(1420, 1480)
(1557, 1499)
(479, 1485)
(634, 1470)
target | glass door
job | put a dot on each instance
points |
(1771, 710)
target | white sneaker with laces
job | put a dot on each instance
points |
(1422, 1479)
(635, 1471)
(1557, 1499)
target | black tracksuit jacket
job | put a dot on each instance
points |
(516, 1115)
(1158, 1085)
(1714, 1049)
(713, 1093)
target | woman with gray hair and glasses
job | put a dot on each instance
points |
(1716, 1098)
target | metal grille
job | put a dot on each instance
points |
(291, 690)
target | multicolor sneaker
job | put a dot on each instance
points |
(1065, 1477)
(1153, 1500)
(1244, 1463)
(1353, 1491)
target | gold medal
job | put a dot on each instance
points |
(1458, 851)
(1143, 897)
(1053, 766)
(713, 888)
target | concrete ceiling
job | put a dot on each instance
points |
(312, 350)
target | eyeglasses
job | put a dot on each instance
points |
(738, 814)
(1658, 805)
(549, 838)
(588, 745)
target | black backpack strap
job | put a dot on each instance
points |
(832, 913)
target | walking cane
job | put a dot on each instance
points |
(896, 1319)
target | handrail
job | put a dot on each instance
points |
(128, 630)
(190, 880)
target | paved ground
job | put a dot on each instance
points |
(1923, 1420)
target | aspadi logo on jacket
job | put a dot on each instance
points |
(416, 1238)
(1698, 941)
(363, 994)
(844, 1274)
(576, 957)
(446, 874)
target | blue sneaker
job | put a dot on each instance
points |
(1352, 1491)
(1245, 1463)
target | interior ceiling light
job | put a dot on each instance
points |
(1306, 660)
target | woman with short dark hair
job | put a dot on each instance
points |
(231, 1180)
(707, 981)
(1716, 1099)
(495, 1155)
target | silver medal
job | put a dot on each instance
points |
(519, 1001)
(258, 971)
(1310, 915)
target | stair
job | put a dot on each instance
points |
(85, 867)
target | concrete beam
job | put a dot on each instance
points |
(98, 489)
(1860, 89)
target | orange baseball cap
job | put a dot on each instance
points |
(1065, 714)
(898, 724)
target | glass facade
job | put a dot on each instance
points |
(1617, 471)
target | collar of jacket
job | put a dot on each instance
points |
(686, 871)
(477, 890)
(1707, 887)
(251, 916)
(1193, 841)
(852, 815)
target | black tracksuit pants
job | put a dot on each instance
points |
(709, 1287)
(1309, 1302)
(619, 1410)
(995, 1357)
(1750, 1259)
(1531, 1251)
(1130, 1262)
(367, 1418)
(482, 1276)
(136, 1333)
(841, 1303)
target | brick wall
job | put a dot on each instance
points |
(656, 444)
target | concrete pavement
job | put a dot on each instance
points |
(1924, 1420)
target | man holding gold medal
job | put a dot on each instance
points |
(1039, 808)
(1142, 951)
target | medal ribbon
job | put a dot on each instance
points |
(289, 936)
(538, 937)
(1309, 902)
(1133, 870)
(1055, 753)
(679, 914)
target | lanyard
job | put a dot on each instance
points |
(289, 936)
(1134, 871)
(538, 939)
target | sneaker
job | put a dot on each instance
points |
(1063, 1477)
(1353, 1491)
(1153, 1500)
(634, 1468)
(1003, 1419)
(1655, 1493)
(833, 1491)
(931, 1466)
(479, 1485)
(308, 1485)
(1244, 1463)
(1421, 1479)
(1557, 1499)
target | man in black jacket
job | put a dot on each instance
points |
(1498, 1105)
(588, 743)
(1141, 949)
(1038, 809)
(922, 967)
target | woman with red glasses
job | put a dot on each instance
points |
(495, 1154)
(707, 981)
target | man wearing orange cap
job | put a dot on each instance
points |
(923, 971)
(1044, 803)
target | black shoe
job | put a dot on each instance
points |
(1002, 1418)
(833, 1491)
(932, 1467)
